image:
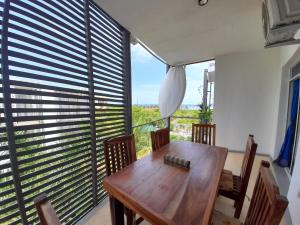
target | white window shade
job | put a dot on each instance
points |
(172, 91)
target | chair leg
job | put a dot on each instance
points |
(235, 203)
(239, 206)
(130, 217)
(117, 211)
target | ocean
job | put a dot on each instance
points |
(182, 107)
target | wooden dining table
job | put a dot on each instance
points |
(169, 195)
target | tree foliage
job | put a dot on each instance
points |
(145, 121)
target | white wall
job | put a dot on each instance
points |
(251, 93)
(289, 57)
(294, 192)
(247, 91)
(286, 62)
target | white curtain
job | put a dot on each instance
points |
(172, 91)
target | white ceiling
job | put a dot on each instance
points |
(180, 31)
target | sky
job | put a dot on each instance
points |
(148, 74)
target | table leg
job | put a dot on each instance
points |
(116, 211)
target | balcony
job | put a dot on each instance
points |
(66, 87)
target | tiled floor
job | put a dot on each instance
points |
(101, 216)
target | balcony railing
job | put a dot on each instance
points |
(180, 129)
(142, 136)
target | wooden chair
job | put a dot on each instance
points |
(267, 206)
(45, 211)
(235, 187)
(160, 138)
(119, 153)
(204, 133)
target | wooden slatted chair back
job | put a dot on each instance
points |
(247, 165)
(45, 211)
(160, 138)
(204, 133)
(119, 153)
(267, 206)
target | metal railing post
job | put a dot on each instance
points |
(91, 101)
(169, 123)
(127, 80)
(7, 103)
(169, 118)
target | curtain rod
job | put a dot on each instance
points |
(151, 52)
(195, 62)
(163, 61)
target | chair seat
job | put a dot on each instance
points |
(226, 182)
(221, 219)
(229, 182)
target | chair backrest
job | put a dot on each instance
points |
(160, 138)
(119, 152)
(267, 206)
(204, 133)
(248, 161)
(45, 211)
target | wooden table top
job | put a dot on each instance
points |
(163, 194)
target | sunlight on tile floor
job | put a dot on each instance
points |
(234, 161)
